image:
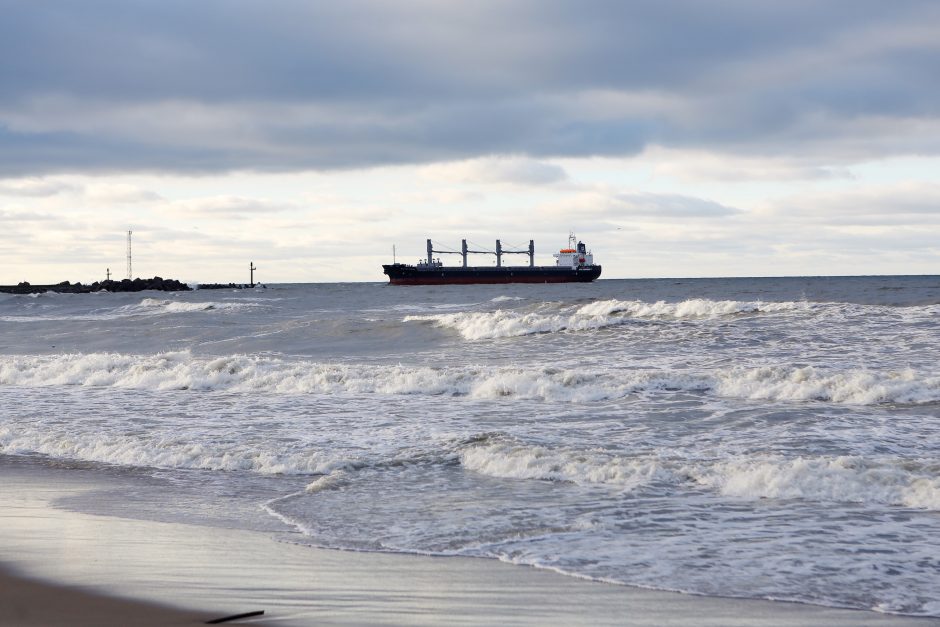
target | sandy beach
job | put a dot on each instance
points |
(93, 563)
(28, 603)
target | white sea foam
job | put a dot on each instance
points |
(839, 479)
(332, 481)
(687, 309)
(519, 461)
(243, 373)
(252, 374)
(155, 306)
(494, 324)
(146, 307)
(826, 479)
(162, 451)
(856, 386)
(595, 315)
(403, 307)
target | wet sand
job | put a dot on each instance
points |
(27, 603)
(227, 571)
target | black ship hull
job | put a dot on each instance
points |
(402, 274)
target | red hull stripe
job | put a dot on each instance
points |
(487, 280)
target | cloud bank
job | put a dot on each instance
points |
(222, 85)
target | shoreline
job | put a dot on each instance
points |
(156, 567)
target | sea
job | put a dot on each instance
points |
(774, 438)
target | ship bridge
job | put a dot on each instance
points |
(575, 255)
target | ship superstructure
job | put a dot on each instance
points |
(572, 264)
(574, 255)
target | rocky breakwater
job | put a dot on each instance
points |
(125, 285)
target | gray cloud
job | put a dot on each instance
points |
(124, 85)
(617, 208)
(34, 187)
(667, 205)
(512, 170)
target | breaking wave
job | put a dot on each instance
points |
(891, 481)
(510, 460)
(163, 451)
(243, 373)
(853, 387)
(899, 482)
(845, 479)
(331, 481)
(596, 315)
(159, 306)
(146, 307)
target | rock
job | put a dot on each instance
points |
(125, 285)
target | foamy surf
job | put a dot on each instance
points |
(852, 479)
(146, 307)
(513, 460)
(595, 315)
(331, 481)
(245, 373)
(157, 306)
(162, 450)
(837, 479)
(821, 479)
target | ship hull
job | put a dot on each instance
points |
(401, 274)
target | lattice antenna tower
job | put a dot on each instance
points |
(130, 272)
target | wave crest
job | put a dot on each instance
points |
(160, 451)
(146, 307)
(154, 306)
(599, 314)
(243, 373)
(837, 479)
(823, 479)
(854, 387)
(332, 481)
(518, 461)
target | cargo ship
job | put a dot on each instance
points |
(574, 264)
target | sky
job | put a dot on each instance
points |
(675, 138)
